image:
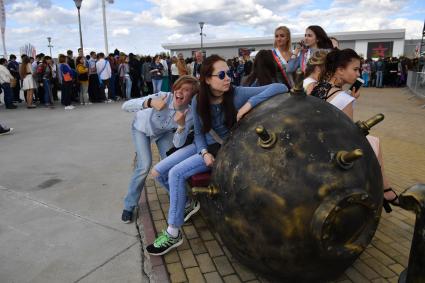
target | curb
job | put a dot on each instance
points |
(159, 271)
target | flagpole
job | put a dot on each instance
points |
(3, 26)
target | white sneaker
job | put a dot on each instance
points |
(108, 101)
(89, 103)
(70, 107)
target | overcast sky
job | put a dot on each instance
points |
(142, 26)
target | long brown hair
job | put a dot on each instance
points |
(24, 67)
(323, 41)
(203, 107)
(264, 70)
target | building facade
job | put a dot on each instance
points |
(372, 44)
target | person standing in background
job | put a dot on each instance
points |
(28, 83)
(5, 79)
(174, 70)
(199, 58)
(147, 75)
(379, 72)
(366, 72)
(104, 73)
(83, 79)
(13, 67)
(156, 71)
(166, 74)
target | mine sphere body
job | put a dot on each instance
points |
(290, 211)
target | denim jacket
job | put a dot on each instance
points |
(253, 95)
(155, 123)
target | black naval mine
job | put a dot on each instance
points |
(296, 192)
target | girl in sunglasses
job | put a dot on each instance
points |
(216, 108)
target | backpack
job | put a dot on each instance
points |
(39, 72)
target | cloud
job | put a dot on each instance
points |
(27, 12)
(120, 31)
(143, 27)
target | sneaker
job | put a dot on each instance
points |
(164, 243)
(70, 107)
(12, 106)
(5, 131)
(127, 216)
(191, 209)
(108, 101)
(89, 103)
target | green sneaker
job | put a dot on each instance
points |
(191, 210)
(164, 243)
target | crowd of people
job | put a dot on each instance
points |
(89, 79)
(98, 78)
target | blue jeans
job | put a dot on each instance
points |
(366, 79)
(379, 77)
(48, 98)
(142, 145)
(111, 87)
(177, 177)
(128, 84)
(8, 94)
(163, 167)
(157, 84)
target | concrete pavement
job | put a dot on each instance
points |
(62, 181)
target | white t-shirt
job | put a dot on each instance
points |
(106, 73)
(307, 81)
(341, 100)
(174, 70)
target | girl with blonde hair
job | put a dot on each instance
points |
(282, 54)
(314, 72)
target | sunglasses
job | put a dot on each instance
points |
(222, 74)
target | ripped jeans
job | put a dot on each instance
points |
(174, 171)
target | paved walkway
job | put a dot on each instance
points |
(204, 258)
(62, 180)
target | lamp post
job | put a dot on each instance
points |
(201, 25)
(78, 5)
(49, 39)
(105, 31)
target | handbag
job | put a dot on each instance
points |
(215, 147)
(12, 83)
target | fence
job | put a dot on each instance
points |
(416, 83)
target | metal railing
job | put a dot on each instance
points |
(416, 83)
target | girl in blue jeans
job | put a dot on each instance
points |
(216, 108)
(164, 118)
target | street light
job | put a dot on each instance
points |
(49, 39)
(78, 5)
(105, 31)
(201, 25)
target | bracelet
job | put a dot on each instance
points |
(149, 103)
(180, 129)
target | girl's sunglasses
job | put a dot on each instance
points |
(222, 74)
